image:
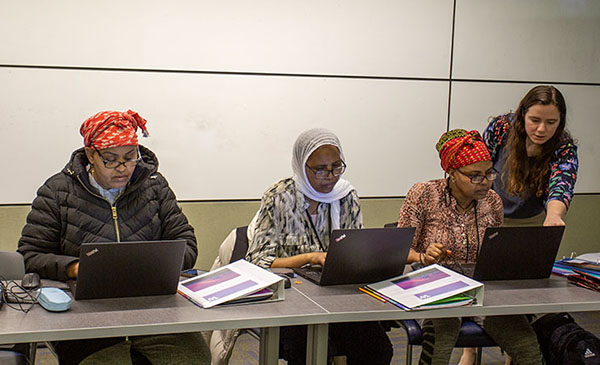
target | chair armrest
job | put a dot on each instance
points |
(472, 335)
(413, 331)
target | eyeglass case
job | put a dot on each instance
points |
(53, 299)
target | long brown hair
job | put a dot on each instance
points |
(523, 175)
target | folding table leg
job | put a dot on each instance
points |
(269, 346)
(316, 349)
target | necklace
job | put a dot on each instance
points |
(466, 228)
(465, 234)
(467, 231)
(462, 209)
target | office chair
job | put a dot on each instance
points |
(470, 335)
(241, 244)
(12, 267)
(239, 252)
(222, 342)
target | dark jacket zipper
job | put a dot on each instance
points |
(112, 207)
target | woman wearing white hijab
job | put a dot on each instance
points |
(292, 229)
(297, 214)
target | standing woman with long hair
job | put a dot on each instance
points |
(537, 162)
(536, 157)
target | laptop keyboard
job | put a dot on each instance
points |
(314, 275)
(310, 273)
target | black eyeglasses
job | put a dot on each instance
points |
(114, 164)
(322, 172)
(478, 179)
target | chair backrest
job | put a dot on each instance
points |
(391, 225)
(12, 265)
(241, 244)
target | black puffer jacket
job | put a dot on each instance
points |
(69, 211)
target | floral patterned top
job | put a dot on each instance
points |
(431, 209)
(284, 227)
(563, 167)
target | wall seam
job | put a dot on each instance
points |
(451, 64)
(299, 75)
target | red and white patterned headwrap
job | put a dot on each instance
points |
(458, 148)
(112, 129)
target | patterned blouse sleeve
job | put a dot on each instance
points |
(262, 250)
(563, 174)
(495, 133)
(411, 214)
(355, 211)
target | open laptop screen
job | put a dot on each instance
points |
(514, 253)
(357, 256)
(126, 269)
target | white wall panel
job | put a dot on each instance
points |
(385, 38)
(223, 137)
(474, 103)
(229, 136)
(533, 40)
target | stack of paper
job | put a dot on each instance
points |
(431, 287)
(237, 282)
(580, 272)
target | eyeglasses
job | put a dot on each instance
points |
(323, 173)
(114, 164)
(478, 179)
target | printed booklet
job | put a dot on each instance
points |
(431, 287)
(238, 282)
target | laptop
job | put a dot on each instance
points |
(516, 253)
(358, 256)
(128, 269)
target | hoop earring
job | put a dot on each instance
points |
(92, 169)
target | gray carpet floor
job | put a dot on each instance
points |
(246, 348)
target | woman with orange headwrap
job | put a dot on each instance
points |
(109, 191)
(450, 216)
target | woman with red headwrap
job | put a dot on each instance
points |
(109, 191)
(450, 216)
